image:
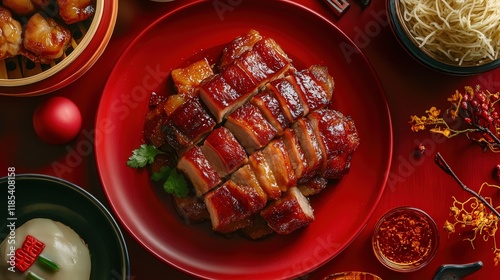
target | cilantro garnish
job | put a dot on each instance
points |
(174, 182)
(143, 156)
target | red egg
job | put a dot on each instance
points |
(57, 120)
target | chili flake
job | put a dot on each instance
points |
(405, 238)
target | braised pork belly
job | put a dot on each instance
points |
(291, 212)
(198, 170)
(273, 59)
(296, 154)
(283, 173)
(250, 127)
(240, 80)
(316, 87)
(310, 145)
(223, 151)
(339, 140)
(257, 229)
(264, 174)
(220, 97)
(270, 107)
(238, 46)
(153, 127)
(232, 205)
(279, 161)
(186, 80)
(288, 97)
(187, 125)
(313, 186)
(254, 137)
(191, 208)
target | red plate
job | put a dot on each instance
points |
(199, 29)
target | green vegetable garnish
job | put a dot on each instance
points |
(33, 276)
(175, 182)
(143, 156)
(49, 264)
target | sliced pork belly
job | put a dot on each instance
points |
(225, 92)
(311, 147)
(232, 205)
(219, 97)
(246, 178)
(278, 159)
(266, 61)
(188, 78)
(313, 186)
(295, 152)
(187, 125)
(198, 170)
(153, 127)
(223, 151)
(191, 208)
(288, 97)
(339, 140)
(186, 81)
(273, 56)
(320, 75)
(239, 79)
(291, 212)
(316, 87)
(264, 174)
(238, 46)
(338, 166)
(257, 229)
(270, 107)
(250, 127)
(255, 66)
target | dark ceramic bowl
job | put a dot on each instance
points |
(41, 196)
(424, 56)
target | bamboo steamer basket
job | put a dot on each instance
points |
(19, 76)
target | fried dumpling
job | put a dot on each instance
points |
(10, 34)
(45, 39)
(72, 11)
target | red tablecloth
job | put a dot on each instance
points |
(410, 89)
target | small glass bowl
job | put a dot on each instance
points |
(405, 239)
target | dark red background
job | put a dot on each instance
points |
(410, 89)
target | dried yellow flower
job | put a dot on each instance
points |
(473, 215)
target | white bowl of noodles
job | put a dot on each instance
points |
(458, 37)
